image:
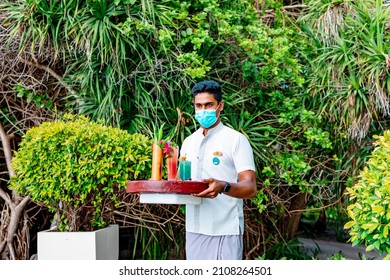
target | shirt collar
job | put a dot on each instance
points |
(212, 130)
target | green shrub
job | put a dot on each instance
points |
(370, 212)
(78, 168)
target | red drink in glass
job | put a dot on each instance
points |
(172, 164)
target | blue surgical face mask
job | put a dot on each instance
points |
(206, 118)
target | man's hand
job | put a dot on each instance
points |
(215, 187)
(245, 188)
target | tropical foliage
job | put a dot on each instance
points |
(350, 81)
(78, 168)
(307, 82)
(369, 211)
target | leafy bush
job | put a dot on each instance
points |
(370, 212)
(77, 168)
(288, 250)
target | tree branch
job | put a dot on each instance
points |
(298, 6)
(48, 70)
(5, 196)
(11, 251)
(2, 246)
(6, 149)
(22, 204)
(16, 213)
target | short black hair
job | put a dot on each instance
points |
(210, 87)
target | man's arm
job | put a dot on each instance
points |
(245, 188)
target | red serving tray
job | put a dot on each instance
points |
(164, 186)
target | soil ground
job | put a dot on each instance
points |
(325, 249)
(332, 241)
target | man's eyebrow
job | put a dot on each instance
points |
(206, 103)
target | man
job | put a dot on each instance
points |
(223, 158)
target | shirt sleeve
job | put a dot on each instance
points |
(243, 155)
(183, 148)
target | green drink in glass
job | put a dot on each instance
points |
(185, 169)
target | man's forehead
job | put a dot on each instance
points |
(205, 101)
(204, 97)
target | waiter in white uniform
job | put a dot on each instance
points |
(223, 158)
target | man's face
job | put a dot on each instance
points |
(206, 101)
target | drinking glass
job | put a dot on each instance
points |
(185, 170)
(172, 163)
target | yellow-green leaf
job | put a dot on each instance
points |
(385, 231)
(349, 224)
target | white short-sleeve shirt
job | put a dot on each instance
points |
(221, 154)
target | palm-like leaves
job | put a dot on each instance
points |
(352, 71)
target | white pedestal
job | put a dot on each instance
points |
(102, 244)
(169, 198)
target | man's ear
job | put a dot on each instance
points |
(221, 105)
